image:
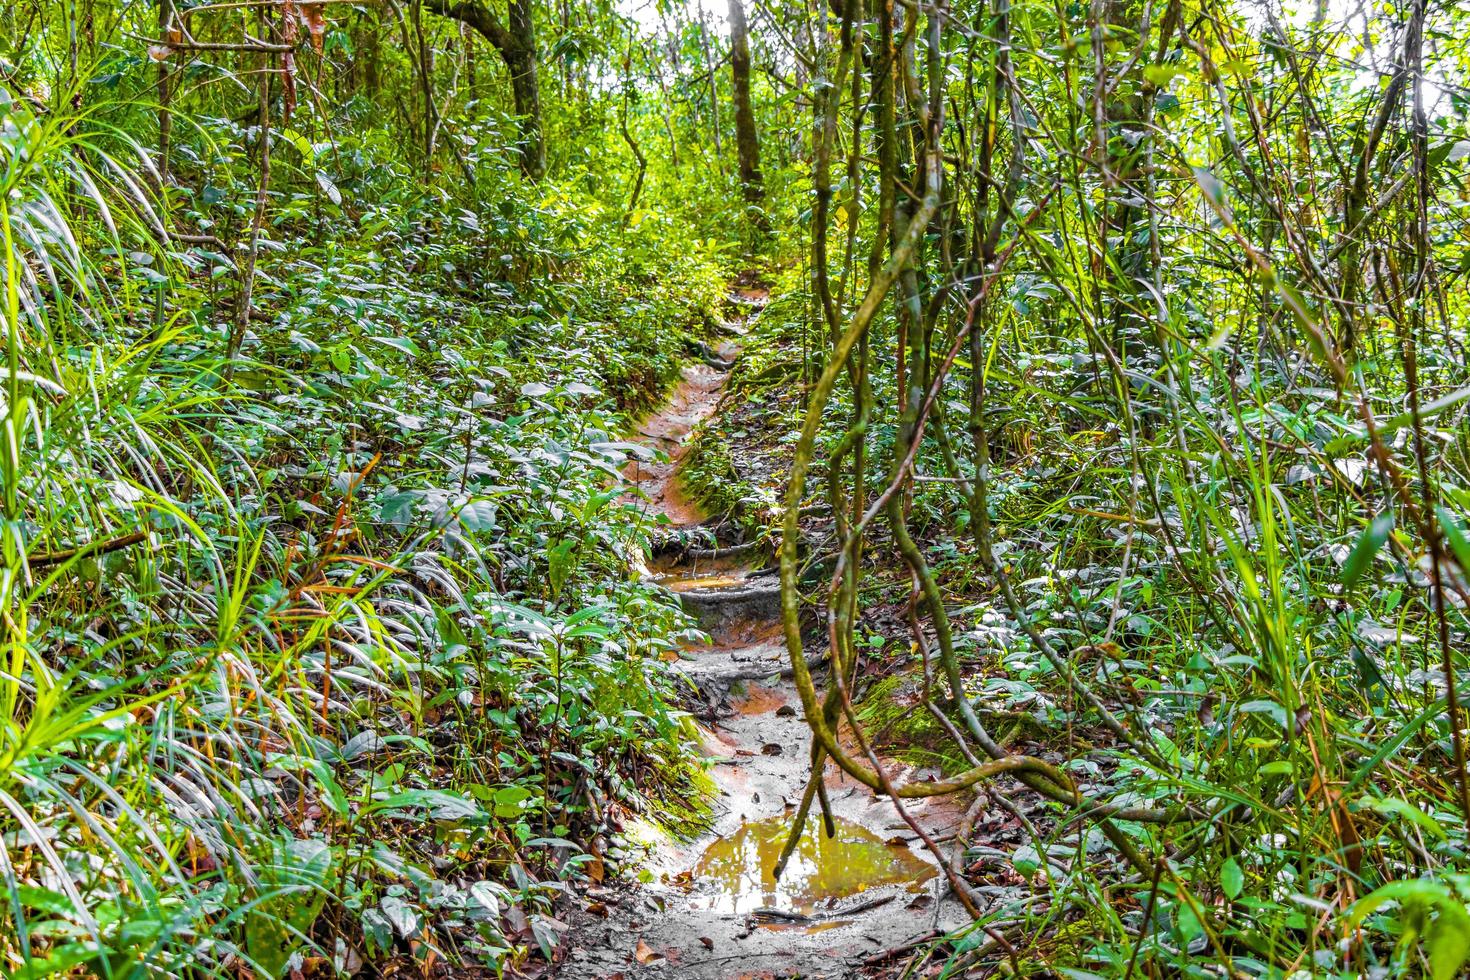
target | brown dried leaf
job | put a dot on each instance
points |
(314, 15)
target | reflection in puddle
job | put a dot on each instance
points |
(806, 926)
(698, 583)
(735, 873)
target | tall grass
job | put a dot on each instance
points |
(286, 672)
(93, 449)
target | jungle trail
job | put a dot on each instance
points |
(929, 488)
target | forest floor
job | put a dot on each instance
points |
(710, 907)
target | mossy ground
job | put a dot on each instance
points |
(892, 716)
(687, 814)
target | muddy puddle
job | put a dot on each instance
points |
(736, 874)
(681, 582)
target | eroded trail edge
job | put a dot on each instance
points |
(710, 907)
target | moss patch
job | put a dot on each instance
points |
(893, 715)
(709, 478)
(687, 814)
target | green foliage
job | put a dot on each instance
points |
(320, 636)
(1182, 329)
(333, 651)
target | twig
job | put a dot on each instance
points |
(894, 952)
(94, 548)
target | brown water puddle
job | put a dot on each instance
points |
(695, 583)
(736, 874)
(759, 700)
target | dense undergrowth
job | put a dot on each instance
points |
(328, 652)
(1297, 741)
(1125, 355)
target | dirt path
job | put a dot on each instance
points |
(693, 401)
(710, 909)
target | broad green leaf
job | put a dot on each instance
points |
(1272, 708)
(1368, 543)
(404, 919)
(1398, 807)
(1232, 879)
(1447, 940)
(442, 805)
(398, 343)
(510, 801)
(329, 188)
(1454, 536)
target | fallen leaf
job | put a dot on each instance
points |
(555, 925)
(644, 954)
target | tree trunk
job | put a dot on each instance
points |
(747, 143)
(165, 94)
(516, 42)
(525, 89)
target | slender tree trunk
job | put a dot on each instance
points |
(262, 198)
(521, 60)
(425, 66)
(714, 88)
(165, 94)
(515, 39)
(372, 79)
(638, 154)
(747, 143)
